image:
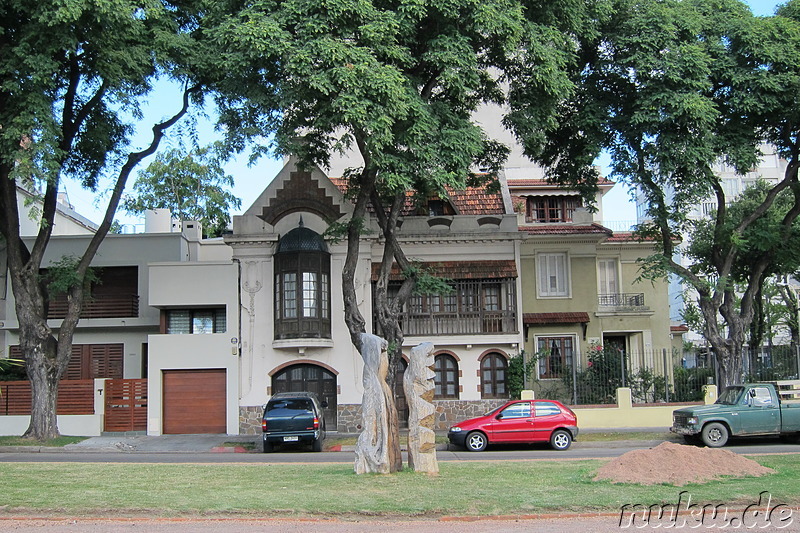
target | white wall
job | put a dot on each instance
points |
(187, 352)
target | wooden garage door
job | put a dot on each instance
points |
(194, 401)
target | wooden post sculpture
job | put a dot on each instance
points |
(378, 445)
(419, 388)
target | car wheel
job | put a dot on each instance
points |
(317, 445)
(267, 446)
(476, 441)
(715, 435)
(560, 439)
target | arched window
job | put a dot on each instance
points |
(445, 369)
(302, 286)
(493, 376)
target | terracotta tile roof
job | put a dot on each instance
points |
(470, 201)
(683, 328)
(566, 229)
(579, 317)
(523, 183)
(477, 201)
(460, 270)
(627, 236)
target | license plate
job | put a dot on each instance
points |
(290, 439)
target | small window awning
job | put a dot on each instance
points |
(534, 319)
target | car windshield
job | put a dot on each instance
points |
(729, 395)
(289, 407)
(493, 411)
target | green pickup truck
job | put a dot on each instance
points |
(755, 409)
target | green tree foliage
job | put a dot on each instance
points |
(518, 373)
(688, 383)
(764, 236)
(72, 75)
(670, 88)
(395, 84)
(193, 186)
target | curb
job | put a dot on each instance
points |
(122, 448)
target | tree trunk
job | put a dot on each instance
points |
(47, 358)
(729, 362)
(44, 374)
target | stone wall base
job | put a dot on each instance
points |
(250, 419)
(448, 413)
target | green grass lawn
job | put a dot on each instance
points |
(471, 488)
(19, 441)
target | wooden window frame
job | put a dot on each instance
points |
(493, 379)
(440, 370)
(550, 367)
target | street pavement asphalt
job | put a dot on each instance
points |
(221, 443)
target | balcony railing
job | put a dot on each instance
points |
(476, 322)
(628, 299)
(117, 306)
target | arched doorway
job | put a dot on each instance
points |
(311, 378)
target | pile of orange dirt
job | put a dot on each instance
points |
(676, 464)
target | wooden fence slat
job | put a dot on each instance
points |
(126, 405)
(75, 397)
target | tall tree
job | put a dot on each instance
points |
(765, 233)
(71, 76)
(670, 88)
(193, 186)
(397, 82)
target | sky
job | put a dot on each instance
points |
(250, 181)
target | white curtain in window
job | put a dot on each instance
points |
(553, 279)
(607, 273)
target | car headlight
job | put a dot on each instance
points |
(455, 429)
(692, 420)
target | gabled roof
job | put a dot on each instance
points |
(579, 317)
(64, 213)
(498, 269)
(299, 190)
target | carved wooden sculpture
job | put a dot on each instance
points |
(378, 445)
(419, 388)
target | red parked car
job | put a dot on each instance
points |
(518, 421)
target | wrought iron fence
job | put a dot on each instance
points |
(771, 363)
(654, 376)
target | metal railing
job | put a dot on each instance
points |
(621, 300)
(654, 376)
(118, 306)
(476, 322)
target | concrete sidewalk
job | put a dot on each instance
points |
(227, 443)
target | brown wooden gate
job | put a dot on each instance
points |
(126, 405)
(194, 401)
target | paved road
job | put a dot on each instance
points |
(599, 524)
(606, 523)
(593, 450)
(540, 524)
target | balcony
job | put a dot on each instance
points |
(627, 301)
(462, 323)
(112, 306)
